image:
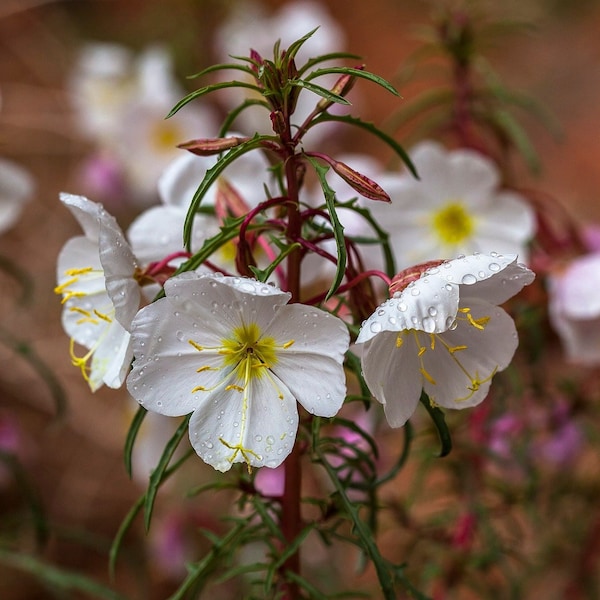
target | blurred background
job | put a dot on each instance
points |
(69, 442)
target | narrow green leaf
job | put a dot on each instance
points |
(309, 64)
(21, 277)
(131, 436)
(419, 105)
(364, 534)
(320, 91)
(56, 578)
(211, 88)
(383, 238)
(356, 73)
(370, 127)
(210, 177)
(264, 274)
(224, 67)
(338, 228)
(26, 351)
(19, 474)
(233, 115)
(437, 416)
(509, 126)
(293, 48)
(157, 476)
(123, 529)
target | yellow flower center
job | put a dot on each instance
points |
(429, 341)
(453, 224)
(165, 136)
(248, 352)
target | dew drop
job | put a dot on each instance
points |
(213, 284)
(448, 287)
(258, 438)
(392, 320)
(415, 291)
(428, 325)
(451, 323)
(494, 267)
(469, 279)
(402, 307)
(270, 440)
(381, 312)
(179, 335)
(375, 327)
(432, 311)
(209, 445)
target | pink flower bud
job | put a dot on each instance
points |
(210, 146)
(402, 279)
(361, 183)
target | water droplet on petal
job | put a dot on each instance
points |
(494, 266)
(432, 311)
(469, 279)
(180, 336)
(209, 445)
(451, 323)
(375, 327)
(428, 325)
(402, 307)
(258, 438)
(270, 440)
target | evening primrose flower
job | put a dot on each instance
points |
(443, 333)
(231, 351)
(95, 277)
(456, 207)
(16, 188)
(156, 233)
(574, 308)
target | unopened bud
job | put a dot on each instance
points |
(361, 183)
(210, 146)
(277, 122)
(402, 279)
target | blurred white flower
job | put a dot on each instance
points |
(443, 333)
(232, 352)
(16, 188)
(251, 26)
(95, 277)
(121, 103)
(574, 308)
(456, 207)
(157, 232)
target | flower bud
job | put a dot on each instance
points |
(361, 183)
(210, 146)
(402, 279)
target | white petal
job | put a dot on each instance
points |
(224, 303)
(392, 375)
(462, 378)
(312, 367)
(180, 180)
(80, 253)
(491, 277)
(257, 426)
(119, 266)
(112, 358)
(165, 369)
(86, 319)
(87, 213)
(16, 188)
(428, 304)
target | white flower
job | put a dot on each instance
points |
(454, 208)
(250, 26)
(443, 333)
(122, 102)
(156, 233)
(95, 276)
(231, 352)
(574, 308)
(16, 188)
